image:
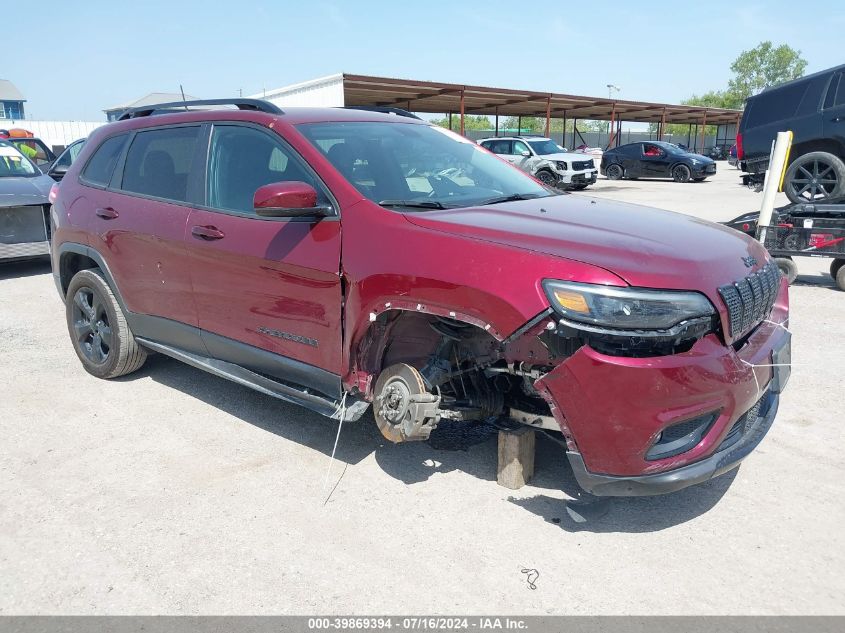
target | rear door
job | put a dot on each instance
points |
(266, 289)
(137, 223)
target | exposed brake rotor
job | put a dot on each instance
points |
(403, 408)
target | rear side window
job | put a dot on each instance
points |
(775, 105)
(158, 163)
(499, 147)
(100, 166)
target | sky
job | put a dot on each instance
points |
(77, 58)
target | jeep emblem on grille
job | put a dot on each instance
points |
(749, 261)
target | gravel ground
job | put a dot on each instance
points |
(172, 491)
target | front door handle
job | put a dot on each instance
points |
(207, 232)
(836, 119)
(107, 213)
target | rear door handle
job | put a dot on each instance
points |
(107, 213)
(207, 232)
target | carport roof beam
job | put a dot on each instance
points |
(437, 97)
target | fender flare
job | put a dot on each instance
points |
(81, 249)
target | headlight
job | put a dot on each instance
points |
(561, 165)
(695, 161)
(593, 307)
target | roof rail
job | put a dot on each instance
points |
(258, 105)
(384, 110)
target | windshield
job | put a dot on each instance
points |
(545, 147)
(13, 163)
(417, 166)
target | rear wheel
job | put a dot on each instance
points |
(98, 330)
(840, 278)
(835, 265)
(614, 172)
(814, 177)
(547, 178)
(788, 268)
(681, 173)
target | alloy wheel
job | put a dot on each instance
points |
(814, 180)
(91, 326)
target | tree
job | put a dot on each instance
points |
(471, 122)
(763, 66)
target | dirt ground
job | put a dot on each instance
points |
(173, 491)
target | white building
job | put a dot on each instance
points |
(321, 92)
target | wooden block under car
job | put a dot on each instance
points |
(516, 458)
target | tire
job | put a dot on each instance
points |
(547, 178)
(98, 330)
(840, 278)
(614, 172)
(788, 268)
(835, 265)
(681, 173)
(814, 177)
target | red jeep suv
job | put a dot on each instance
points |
(340, 257)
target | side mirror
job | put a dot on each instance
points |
(292, 199)
(525, 153)
(57, 172)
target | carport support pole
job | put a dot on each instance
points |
(610, 128)
(661, 129)
(450, 120)
(462, 112)
(519, 125)
(497, 121)
(703, 129)
(563, 134)
(574, 129)
(548, 115)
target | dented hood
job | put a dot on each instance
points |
(646, 247)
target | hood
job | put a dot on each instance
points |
(19, 191)
(646, 247)
(567, 156)
(699, 157)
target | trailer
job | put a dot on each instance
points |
(801, 230)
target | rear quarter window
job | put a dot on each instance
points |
(776, 105)
(98, 170)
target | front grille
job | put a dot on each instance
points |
(750, 300)
(585, 164)
(22, 225)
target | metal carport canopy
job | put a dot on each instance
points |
(430, 96)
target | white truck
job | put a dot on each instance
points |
(545, 160)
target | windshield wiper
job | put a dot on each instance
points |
(413, 204)
(511, 198)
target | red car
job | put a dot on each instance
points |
(339, 258)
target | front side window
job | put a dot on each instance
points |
(158, 163)
(100, 166)
(242, 159)
(519, 148)
(652, 151)
(69, 155)
(422, 164)
(13, 163)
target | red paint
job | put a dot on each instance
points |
(233, 274)
(285, 195)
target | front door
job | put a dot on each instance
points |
(268, 290)
(655, 161)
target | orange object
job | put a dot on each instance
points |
(20, 133)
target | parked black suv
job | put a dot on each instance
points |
(813, 108)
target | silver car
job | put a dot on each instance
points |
(24, 206)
